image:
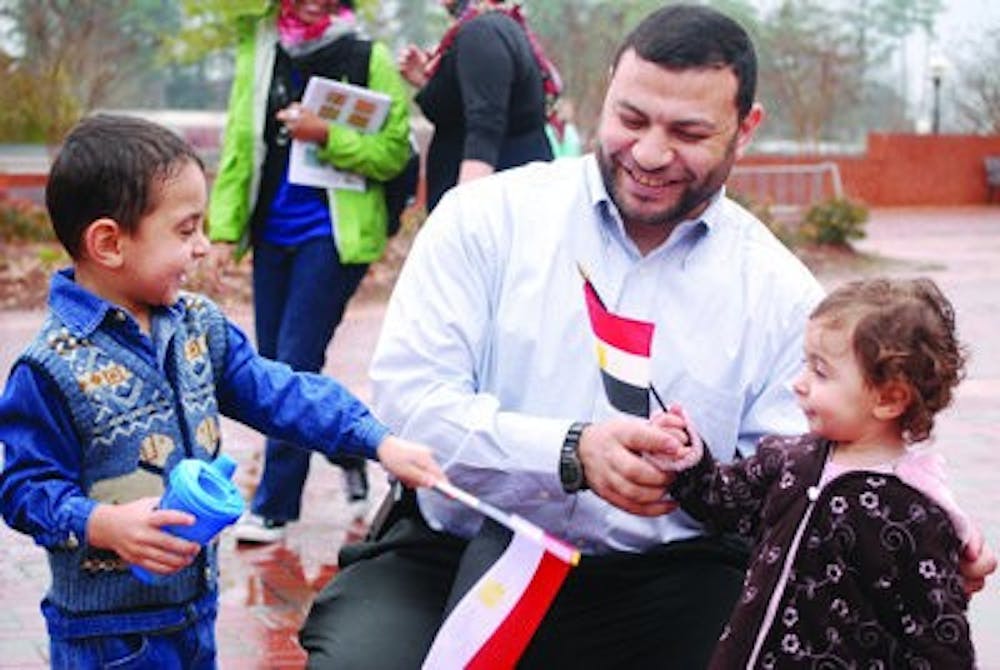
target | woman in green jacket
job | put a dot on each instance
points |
(311, 246)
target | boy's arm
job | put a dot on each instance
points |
(311, 410)
(40, 493)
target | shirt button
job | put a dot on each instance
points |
(72, 542)
(812, 493)
(208, 574)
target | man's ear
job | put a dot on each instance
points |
(102, 242)
(893, 399)
(747, 127)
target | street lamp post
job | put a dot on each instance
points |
(937, 67)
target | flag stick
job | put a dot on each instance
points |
(659, 400)
(557, 547)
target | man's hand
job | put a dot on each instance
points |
(612, 456)
(411, 462)
(135, 532)
(978, 562)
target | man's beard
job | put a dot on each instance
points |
(696, 194)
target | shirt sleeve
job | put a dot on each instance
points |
(311, 410)
(40, 490)
(772, 409)
(434, 355)
(485, 69)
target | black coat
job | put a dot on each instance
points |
(874, 572)
(486, 102)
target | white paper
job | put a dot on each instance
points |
(344, 104)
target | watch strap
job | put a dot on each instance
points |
(571, 473)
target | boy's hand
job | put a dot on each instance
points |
(134, 532)
(412, 463)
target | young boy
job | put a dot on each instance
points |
(127, 377)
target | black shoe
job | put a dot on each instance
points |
(356, 485)
(356, 480)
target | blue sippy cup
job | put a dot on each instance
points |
(205, 490)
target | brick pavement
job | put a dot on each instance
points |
(266, 591)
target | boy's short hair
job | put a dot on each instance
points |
(109, 167)
(901, 330)
(688, 36)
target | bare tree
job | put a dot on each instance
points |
(809, 69)
(978, 99)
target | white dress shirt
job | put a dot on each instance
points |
(487, 355)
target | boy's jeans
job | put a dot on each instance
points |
(182, 638)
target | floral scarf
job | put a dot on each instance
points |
(293, 31)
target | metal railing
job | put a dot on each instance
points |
(787, 189)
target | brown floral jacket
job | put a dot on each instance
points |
(862, 573)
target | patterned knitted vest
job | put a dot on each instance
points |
(135, 423)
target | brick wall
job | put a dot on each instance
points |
(906, 169)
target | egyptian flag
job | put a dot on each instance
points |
(507, 578)
(623, 354)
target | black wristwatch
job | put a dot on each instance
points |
(570, 467)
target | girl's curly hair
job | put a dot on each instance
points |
(903, 331)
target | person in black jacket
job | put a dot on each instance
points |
(484, 88)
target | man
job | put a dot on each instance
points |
(487, 354)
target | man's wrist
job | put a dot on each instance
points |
(571, 474)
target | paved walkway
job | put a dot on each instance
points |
(267, 591)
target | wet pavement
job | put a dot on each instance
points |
(266, 590)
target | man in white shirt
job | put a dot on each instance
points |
(487, 354)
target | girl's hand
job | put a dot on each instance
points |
(677, 422)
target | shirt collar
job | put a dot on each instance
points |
(609, 215)
(83, 312)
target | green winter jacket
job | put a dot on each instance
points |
(359, 216)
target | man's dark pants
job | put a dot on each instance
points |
(662, 609)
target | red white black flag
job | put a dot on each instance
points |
(623, 354)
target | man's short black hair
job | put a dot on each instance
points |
(679, 37)
(110, 166)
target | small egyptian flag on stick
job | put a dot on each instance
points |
(508, 576)
(623, 353)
